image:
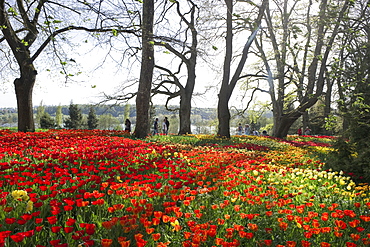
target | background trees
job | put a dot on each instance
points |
(46, 121)
(92, 120)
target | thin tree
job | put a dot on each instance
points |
(187, 53)
(59, 117)
(39, 113)
(146, 71)
(228, 83)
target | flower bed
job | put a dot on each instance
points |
(98, 188)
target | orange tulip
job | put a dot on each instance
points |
(252, 226)
(106, 242)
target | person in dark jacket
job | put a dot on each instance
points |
(128, 125)
(155, 131)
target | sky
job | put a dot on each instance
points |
(54, 95)
(50, 92)
(89, 89)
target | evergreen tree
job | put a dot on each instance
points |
(74, 121)
(46, 121)
(92, 120)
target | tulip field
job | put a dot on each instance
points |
(102, 188)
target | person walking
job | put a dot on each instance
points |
(247, 129)
(165, 126)
(155, 132)
(240, 129)
(128, 125)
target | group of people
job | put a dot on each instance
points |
(249, 131)
(306, 132)
(165, 126)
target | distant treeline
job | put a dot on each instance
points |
(110, 116)
(118, 110)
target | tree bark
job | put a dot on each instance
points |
(185, 98)
(146, 73)
(285, 123)
(184, 114)
(23, 90)
(223, 113)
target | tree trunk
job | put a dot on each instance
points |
(285, 123)
(185, 104)
(184, 114)
(223, 114)
(328, 95)
(146, 72)
(277, 112)
(23, 90)
(305, 120)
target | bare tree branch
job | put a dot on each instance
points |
(69, 28)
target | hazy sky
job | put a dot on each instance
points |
(89, 90)
(55, 93)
